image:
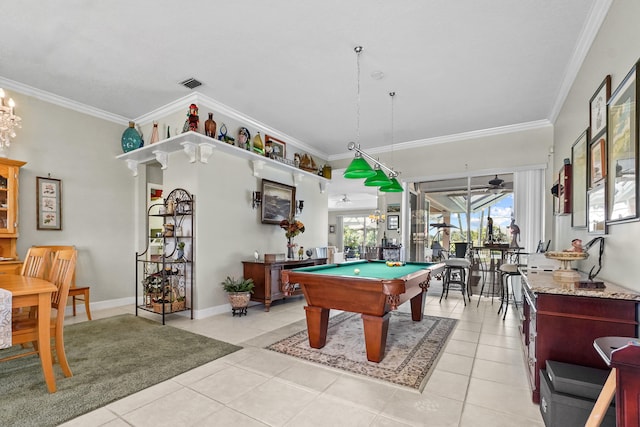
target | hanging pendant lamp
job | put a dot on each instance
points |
(393, 186)
(359, 168)
(379, 179)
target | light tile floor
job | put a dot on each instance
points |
(480, 380)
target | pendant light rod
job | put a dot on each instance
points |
(353, 147)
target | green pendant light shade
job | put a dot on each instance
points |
(359, 168)
(379, 179)
(394, 187)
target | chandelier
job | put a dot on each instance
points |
(377, 216)
(9, 122)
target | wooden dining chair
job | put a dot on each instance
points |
(25, 330)
(76, 293)
(35, 262)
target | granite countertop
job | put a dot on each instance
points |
(542, 282)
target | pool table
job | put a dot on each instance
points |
(368, 287)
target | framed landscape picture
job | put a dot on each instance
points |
(49, 206)
(278, 202)
(579, 182)
(622, 140)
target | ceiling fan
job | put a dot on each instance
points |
(496, 184)
(344, 200)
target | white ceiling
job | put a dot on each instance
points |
(456, 66)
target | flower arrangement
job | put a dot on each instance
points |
(292, 227)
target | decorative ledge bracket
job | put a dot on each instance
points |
(201, 147)
(133, 166)
(190, 149)
(162, 157)
(206, 151)
(258, 165)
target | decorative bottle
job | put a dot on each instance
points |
(131, 139)
(155, 137)
(210, 126)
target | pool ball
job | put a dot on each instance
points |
(356, 271)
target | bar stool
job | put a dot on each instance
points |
(486, 267)
(506, 272)
(460, 266)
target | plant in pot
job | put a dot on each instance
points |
(239, 291)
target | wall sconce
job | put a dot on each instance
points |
(256, 199)
(299, 206)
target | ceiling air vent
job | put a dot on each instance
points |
(191, 83)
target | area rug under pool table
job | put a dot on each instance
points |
(413, 348)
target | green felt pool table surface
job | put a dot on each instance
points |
(368, 269)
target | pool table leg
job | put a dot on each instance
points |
(417, 307)
(317, 323)
(375, 335)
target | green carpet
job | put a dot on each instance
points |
(110, 358)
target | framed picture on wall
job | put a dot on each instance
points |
(579, 182)
(622, 150)
(393, 222)
(598, 107)
(598, 160)
(49, 206)
(278, 202)
(275, 147)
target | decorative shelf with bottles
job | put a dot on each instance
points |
(198, 147)
(164, 270)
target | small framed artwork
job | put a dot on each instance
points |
(598, 157)
(393, 222)
(49, 205)
(332, 228)
(277, 202)
(275, 147)
(393, 207)
(622, 151)
(579, 182)
(596, 211)
(598, 107)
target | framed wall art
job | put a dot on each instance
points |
(598, 107)
(393, 222)
(596, 211)
(49, 203)
(579, 182)
(275, 147)
(622, 151)
(598, 160)
(278, 202)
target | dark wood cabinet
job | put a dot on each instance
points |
(266, 277)
(561, 324)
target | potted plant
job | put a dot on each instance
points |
(239, 291)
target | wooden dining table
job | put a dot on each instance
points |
(27, 292)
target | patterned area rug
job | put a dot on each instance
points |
(413, 348)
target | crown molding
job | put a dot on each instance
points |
(62, 101)
(594, 21)
(483, 133)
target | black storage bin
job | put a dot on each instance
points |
(461, 249)
(577, 380)
(566, 410)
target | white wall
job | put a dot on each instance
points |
(97, 195)
(613, 52)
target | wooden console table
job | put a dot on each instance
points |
(560, 322)
(266, 277)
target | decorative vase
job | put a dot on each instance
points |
(290, 246)
(258, 146)
(155, 137)
(131, 139)
(210, 126)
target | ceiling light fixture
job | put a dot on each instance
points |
(393, 186)
(9, 122)
(359, 168)
(377, 216)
